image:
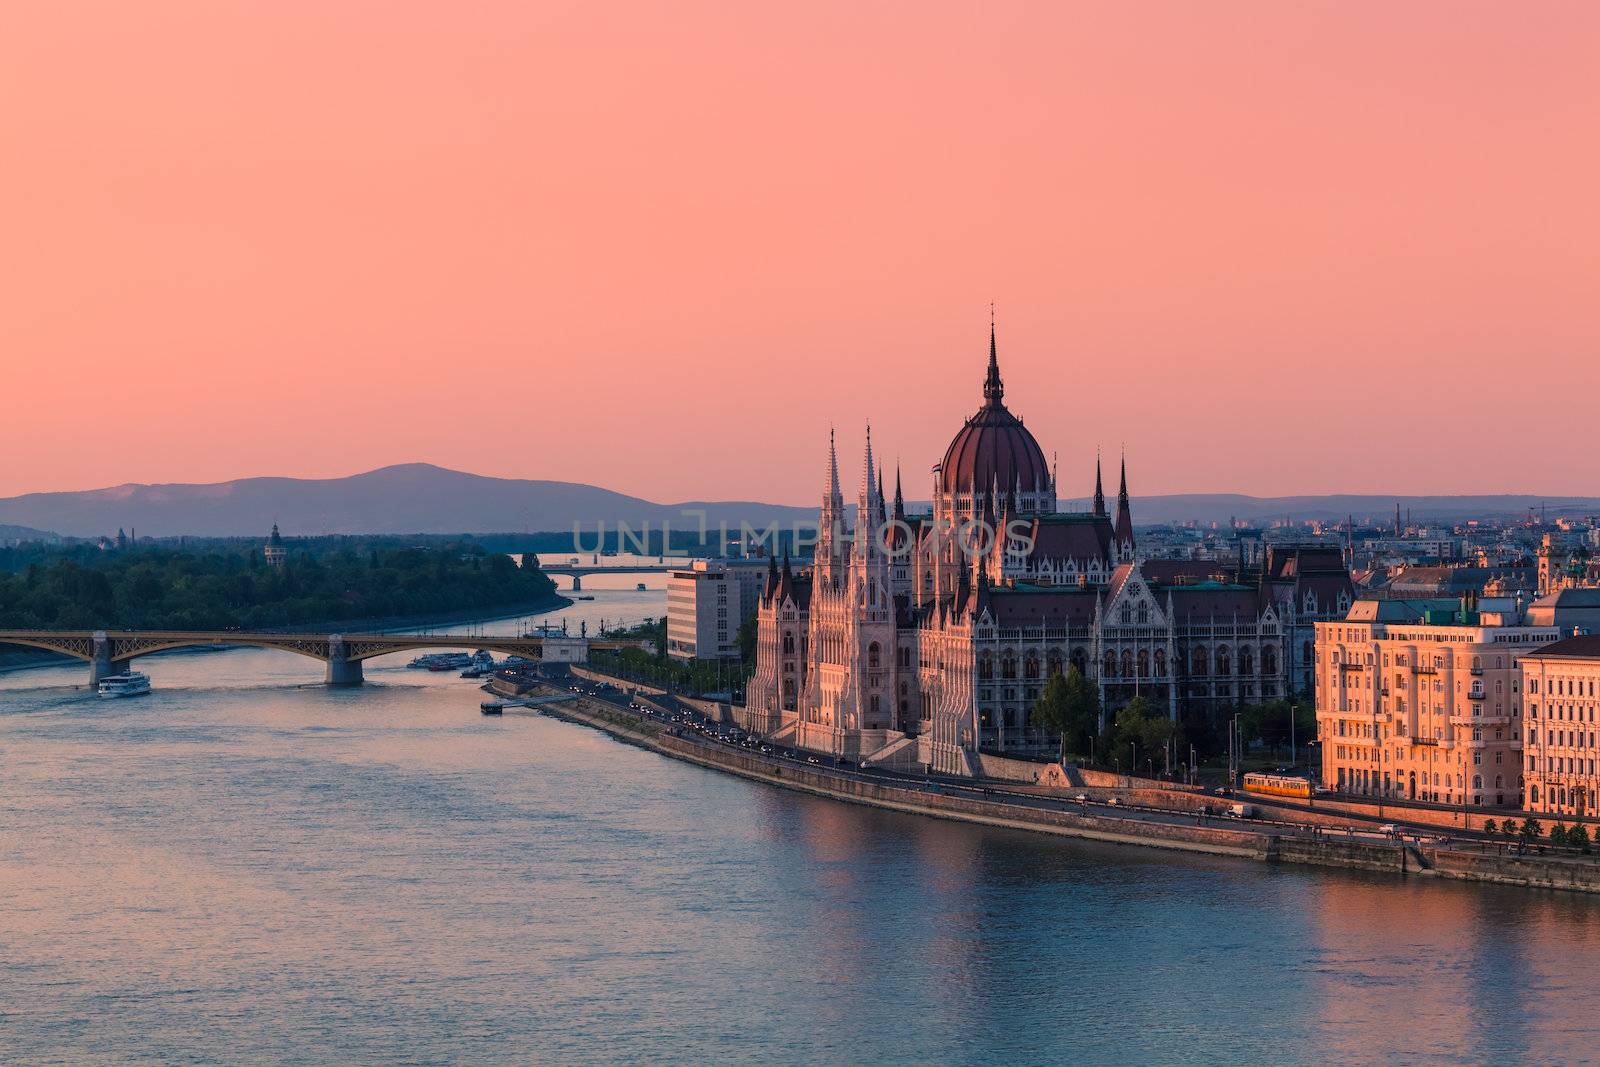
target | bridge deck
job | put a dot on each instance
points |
(125, 644)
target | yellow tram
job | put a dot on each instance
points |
(1278, 785)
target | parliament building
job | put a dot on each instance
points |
(924, 640)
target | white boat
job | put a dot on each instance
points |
(126, 684)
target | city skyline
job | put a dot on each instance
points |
(1222, 238)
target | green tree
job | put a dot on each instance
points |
(746, 638)
(1069, 706)
(1140, 731)
(1578, 837)
(1491, 827)
(1530, 832)
(1050, 710)
(1558, 834)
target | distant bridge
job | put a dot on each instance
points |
(110, 651)
(577, 572)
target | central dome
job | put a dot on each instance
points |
(993, 448)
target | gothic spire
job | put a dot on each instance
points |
(866, 477)
(899, 501)
(1124, 525)
(1099, 490)
(993, 391)
(833, 473)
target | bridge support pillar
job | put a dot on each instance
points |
(577, 583)
(103, 666)
(341, 669)
(344, 672)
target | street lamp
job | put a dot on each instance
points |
(1292, 709)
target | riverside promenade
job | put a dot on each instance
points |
(1107, 818)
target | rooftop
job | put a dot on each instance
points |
(1585, 647)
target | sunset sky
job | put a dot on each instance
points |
(1273, 247)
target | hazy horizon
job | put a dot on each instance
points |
(1273, 249)
(1067, 495)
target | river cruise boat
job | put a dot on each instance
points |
(126, 684)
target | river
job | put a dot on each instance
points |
(247, 867)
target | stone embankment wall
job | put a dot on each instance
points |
(621, 683)
(1392, 811)
(1220, 840)
(1259, 843)
(1536, 871)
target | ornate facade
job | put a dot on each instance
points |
(930, 637)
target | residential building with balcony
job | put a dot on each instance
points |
(1419, 701)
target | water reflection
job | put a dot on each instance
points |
(244, 868)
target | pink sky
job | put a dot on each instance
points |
(1275, 248)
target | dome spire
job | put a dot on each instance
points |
(993, 391)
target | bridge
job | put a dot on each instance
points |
(577, 571)
(111, 652)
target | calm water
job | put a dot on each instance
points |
(245, 868)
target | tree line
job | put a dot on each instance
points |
(179, 589)
(1140, 733)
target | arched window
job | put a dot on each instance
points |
(985, 667)
(1202, 662)
(1008, 664)
(1030, 665)
(1080, 660)
(1127, 663)
(1161, 663)
(872, 654)
(1269, 660)
(1053, 662)
(1109, 670)
(1144, 663)
(788, 642)
(1246, 661)
(1224, 661)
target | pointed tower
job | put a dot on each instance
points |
(864, 542)
(1099, 488)
(900, 541)
(829, 559)
(1124, 526)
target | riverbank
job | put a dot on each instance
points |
(1266, 845)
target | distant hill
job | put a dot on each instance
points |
(25, 533)
(409, 498)
(421, 498)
